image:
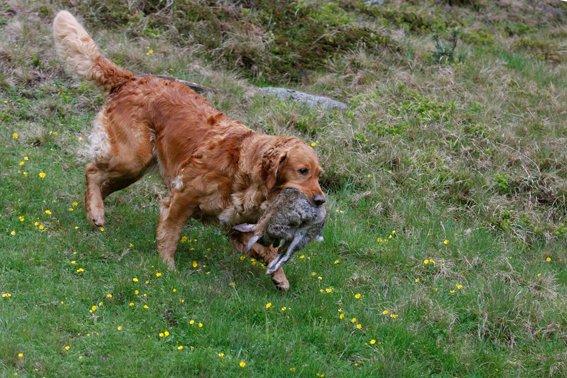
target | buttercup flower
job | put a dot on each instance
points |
(48, 212)
(67, 348)
(42, 175)
(358, 296)
(268, 305)
(221, 355)
(108, 295)
(372, 341)
(21, 218)
(242, 364)
(13, 232)
(6, 295)
(119, 328)
(158, 274)
(20, 355)
(385, 312)
(548, 259)
(15, 135)
(135, 279)
(180, 348)
(80, 270)
(446, 242)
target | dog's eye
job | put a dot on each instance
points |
(303, 171)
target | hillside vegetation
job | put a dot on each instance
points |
(447, 176)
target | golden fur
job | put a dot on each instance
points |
(214, 167)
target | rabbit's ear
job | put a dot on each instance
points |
(245, 227)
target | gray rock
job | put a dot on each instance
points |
(374, 2)
(305, 98)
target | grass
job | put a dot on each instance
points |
(447, 186)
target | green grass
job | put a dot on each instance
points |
(471, 152)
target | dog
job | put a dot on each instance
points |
(215, 168)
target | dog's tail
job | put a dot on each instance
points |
(82, 56)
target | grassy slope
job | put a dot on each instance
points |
(471, 152)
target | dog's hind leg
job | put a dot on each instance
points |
(118, 160)
(102, 180)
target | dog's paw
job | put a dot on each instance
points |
(281, 286)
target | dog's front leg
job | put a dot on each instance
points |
(174, 212)
(266, 254)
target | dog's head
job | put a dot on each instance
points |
(294, 164)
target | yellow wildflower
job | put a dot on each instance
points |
(145, 306)
(372, 341)
(394, 316)
(200, 325)
(47, 212)
(131, 304)
(119, 328)
(459, 286)
(21, 218)
(67, 347)
(13, 232)
(194, 264)
(341, 316)
(446, 242)
(42, 175)
(135, 279)
(242, 364)
(268, 305)
(353, 320)
(108, 295)
(180, 348)
(184, 239)
(101, 229)
(93, 309)
(6, 295)
(358, 326)
(283, 309)
(191, 321)
(548, 259)
(385, 312)
(80, 270)
(21, 355)
(220, 354)
(158, 274)
(358, 296)
(15, 135)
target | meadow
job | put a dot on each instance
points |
(445, 248)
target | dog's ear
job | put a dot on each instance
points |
(272, 163)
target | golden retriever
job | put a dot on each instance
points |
(214, 167)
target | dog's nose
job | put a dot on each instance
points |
(319, 199)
